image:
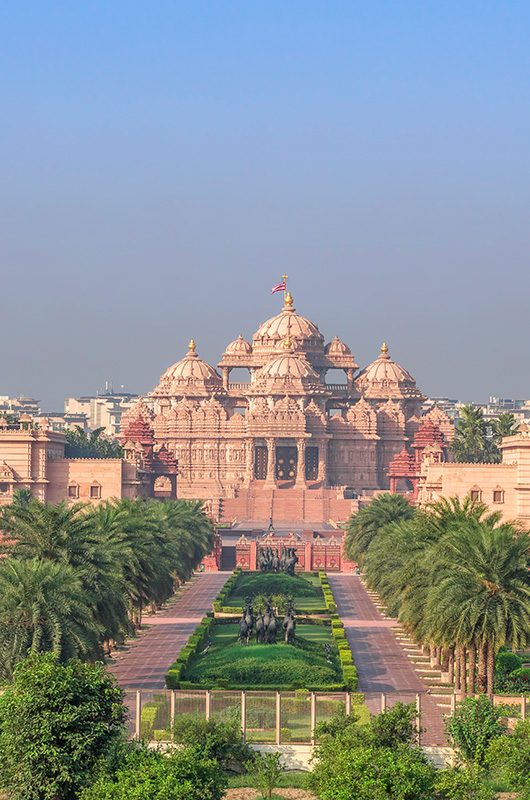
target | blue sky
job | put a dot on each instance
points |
(162, 164)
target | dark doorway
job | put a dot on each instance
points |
(260, 462)
(228, 558)
(286, 461)
(311, 463)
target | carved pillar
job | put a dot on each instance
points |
(322, 461)
(349, 378)
(249, 466)
(226, 377)
(300, 466)
(271, 461)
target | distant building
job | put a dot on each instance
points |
(503, 487)
(32, 457)
(102, 410)
(18, 405)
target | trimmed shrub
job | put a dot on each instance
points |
(508, 662)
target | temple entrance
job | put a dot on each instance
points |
(260, 462)
(311, 463)
(286, 463)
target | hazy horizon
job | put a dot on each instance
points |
(164, 164)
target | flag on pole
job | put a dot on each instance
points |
(279, 288)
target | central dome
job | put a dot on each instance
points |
(288, 324)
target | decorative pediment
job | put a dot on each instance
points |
(7, 474)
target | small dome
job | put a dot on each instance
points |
(239, 347)
(192, 369)
(337, 348)
(287, 323)
(288, 365)
(384, 378)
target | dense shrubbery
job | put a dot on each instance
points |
(474, 724)
(509, 757)
(381, 760)
(217, 739)
(185, 774)
(77, 578)
(56, 722)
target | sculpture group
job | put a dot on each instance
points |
(265, 625)
(270, 560)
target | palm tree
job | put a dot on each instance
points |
(43, 607)
(365, 525)
(471, 443)
(80, 444)
(504, 425)
(481, 597)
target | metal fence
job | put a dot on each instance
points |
(265, 716)
(268, 717)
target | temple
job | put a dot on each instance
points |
(287, 442)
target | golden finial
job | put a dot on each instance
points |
(288, 300)
(384, 348)
(288, 343)
(192, 346)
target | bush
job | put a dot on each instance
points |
(222, 741)
(56, 721)
(509, 757)
(149, 775)
(507, 662)
(461, 784)
(395, 726)
(473, 726)
(368, 772)
(267, 772)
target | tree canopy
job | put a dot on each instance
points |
(77, 578)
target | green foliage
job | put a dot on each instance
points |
(373, 773)
(472, 443)
(256, 583)
(220, 740)
(395, 726)
(56, 721)
(364, 526)
(185, 774)
(509, 757)
(472, 727)
(507, 662)
(43, 607)
(239, 666)
(77, 577)
(80, 444)
(461, 784)
(267, 772)
(455, 577)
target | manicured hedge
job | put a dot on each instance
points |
(224, 593)
(349, 671)
(197, 640)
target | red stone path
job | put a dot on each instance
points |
(145, 662)
(381, 662)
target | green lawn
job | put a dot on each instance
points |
(229, 664)
(305, 590)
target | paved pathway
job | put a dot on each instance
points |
(144, 663)
(381, 662)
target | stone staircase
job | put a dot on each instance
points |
(430, 675)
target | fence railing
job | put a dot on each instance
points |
(268, 717)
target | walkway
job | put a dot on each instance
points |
(381, 662)
(143, 665)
